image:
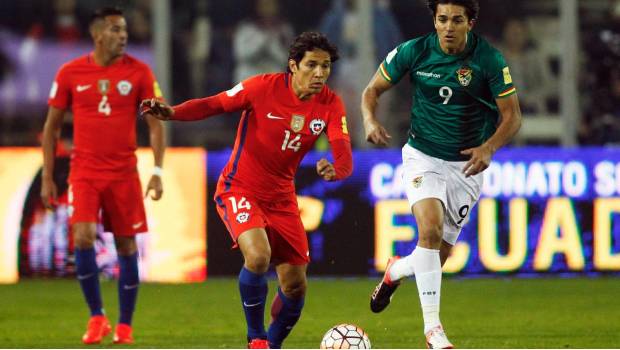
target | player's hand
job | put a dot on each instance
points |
(376, 133)
(156, 187)
(157, 109)
(326, 170)
(480, 159)
(49, 193)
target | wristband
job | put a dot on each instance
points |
(157, 171)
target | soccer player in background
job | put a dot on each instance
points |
(104, 89)
(283, 116)
(465, 109)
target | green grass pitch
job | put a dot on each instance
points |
(476, 313)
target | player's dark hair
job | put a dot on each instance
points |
(472, 8)
(308, 41)
(104, 12)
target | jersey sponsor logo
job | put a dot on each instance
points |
(103, 86)
(243, 217)
(124, 87)
(428, 74)
(54, 90)
(507, 76)
(235, 90)
(417, 182)
(271, 116)
(297, 122)
(157, 90)
(390, 56)
(81, 88)
(317, 126)
(345, 129)
(464, 75)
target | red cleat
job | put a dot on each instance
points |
(98, 327)
(122, 334)
(258, 344)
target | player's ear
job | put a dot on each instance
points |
(471, 24)
(292, 66)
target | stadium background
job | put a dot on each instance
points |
(551, 203)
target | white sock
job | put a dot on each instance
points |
(402, 268)
(427, 267)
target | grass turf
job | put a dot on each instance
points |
(476, 313)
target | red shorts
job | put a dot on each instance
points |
(120, 201)
(280, 219)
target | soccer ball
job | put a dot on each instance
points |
(345, 336)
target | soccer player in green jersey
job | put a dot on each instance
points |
(465, 109)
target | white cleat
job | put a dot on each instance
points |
(436, 339)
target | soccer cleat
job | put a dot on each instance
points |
(122, 334)
(436, 339)
(98, 327)
(258, 344)
(382, 295)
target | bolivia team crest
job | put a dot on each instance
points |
(297, 122)
(103, 86)
(464, 74)
(124, 87)
(316, 126)
(417, 182)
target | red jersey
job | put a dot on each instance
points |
(105, 102)
(275, 132)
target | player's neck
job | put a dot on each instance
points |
(104, 59)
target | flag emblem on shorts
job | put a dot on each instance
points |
(464, 74)
(417, 182)
(243, 217)
(297, 122)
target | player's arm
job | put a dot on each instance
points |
(508, 127)
(51, 133)
(340, 144)
(158, 145)
(375, 132)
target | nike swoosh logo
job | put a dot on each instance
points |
(81, 88)
(83, 277)
(250, 305)
(271, 116)
(133, 286)
(136, 226)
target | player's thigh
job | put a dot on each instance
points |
(422, 176)
(84, 206)
(240, 212)
(123, 207)
(462, 194)
(288, 238)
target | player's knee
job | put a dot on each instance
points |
(430, 235)
(295, 290)
(83, 237)
(126, 246)
(257, 261)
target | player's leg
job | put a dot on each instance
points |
(287, 303)
(246, 223)
(124, 215)
(84, 204)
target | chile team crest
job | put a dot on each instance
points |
(297, 122)
(464, 75)
(317, 126)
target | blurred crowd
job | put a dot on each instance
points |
(216, 44)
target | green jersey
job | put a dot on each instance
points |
(454, 95)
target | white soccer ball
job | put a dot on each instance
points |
(345, 336)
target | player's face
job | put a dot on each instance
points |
(113, 35)
(310, 75)
(452, 25)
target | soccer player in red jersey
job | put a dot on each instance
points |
(103, 89)
(283, 115)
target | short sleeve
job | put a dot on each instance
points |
(150, 87)
(397, 62)
(60, 92)
(242, 95)
(500, 80)
(337, 128)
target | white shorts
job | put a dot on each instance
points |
(429, 177)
